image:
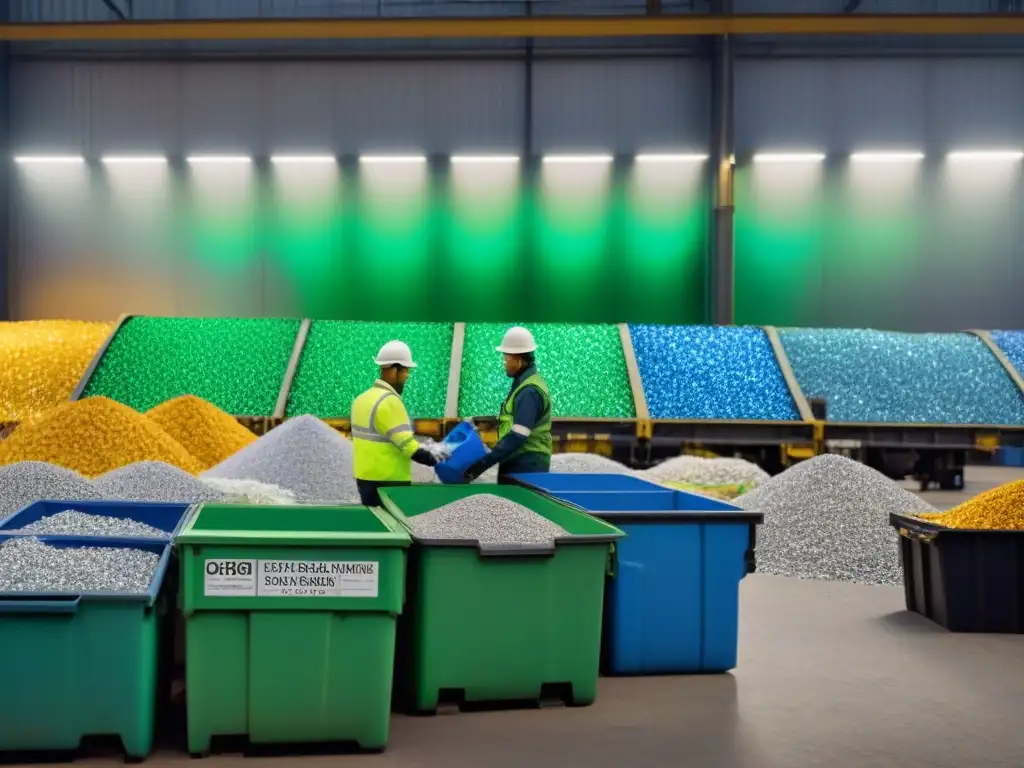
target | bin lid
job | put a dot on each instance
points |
(168, 517)
(293, 526)
(405, 502)
(911, 527)
(681, 516)
(557, 482)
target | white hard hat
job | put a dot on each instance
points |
(395, 353)
(517, 341)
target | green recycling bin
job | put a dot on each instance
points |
(290, 617)
(489, 624)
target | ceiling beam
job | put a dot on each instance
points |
(523, 27)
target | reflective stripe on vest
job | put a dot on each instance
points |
(376, 456)
(539, 439)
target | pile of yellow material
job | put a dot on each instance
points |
(203, 429)
(94, 436)
(726, 492)
(1000, 509)
(42, 361)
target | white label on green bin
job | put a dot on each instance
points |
(290, 578)
(229, 578)
(312, 578)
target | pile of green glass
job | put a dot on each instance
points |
(337, 364)
(583, 365)
(236, 364)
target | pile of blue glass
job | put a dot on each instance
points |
(710, 372)
(903, 378)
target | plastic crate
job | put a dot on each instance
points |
(502, 624)
(469, 448)
(290, 623)
(674, 604)
(963, 580)
(76, 665)
(169, 518)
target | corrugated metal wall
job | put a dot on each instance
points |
(933, 245)
(928, 246)
(95, 108)
(93, 10)
(350, 107)
(88, 247)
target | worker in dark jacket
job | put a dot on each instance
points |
(524, 423)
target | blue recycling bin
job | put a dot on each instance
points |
(467, 449)
(167, 517)
(673, 606)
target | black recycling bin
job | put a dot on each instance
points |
(965, 580)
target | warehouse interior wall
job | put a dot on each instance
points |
(430, 240)
(930, 244)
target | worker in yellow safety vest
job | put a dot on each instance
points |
(524, 421)
(382, 435)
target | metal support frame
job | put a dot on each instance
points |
(6, 174)
(281, 407)
(802, 406)
(689, 25)
(451, 401)
(529, 171)
(97, 358)
(636, 385)
(721, 262)
(1013, 373)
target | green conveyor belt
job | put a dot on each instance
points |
(583, 365)
(337, 364)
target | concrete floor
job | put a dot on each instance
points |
(976, 480)
(830, 675)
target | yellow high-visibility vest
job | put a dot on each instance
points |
(382, 436)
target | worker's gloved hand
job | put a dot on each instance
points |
(425, 457)
(439, 451)
(474, 470)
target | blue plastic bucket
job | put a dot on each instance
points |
(467, 449)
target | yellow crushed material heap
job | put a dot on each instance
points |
(205, 431)
(726, 492)
(41, 362)
(1001, 509)
(94, 436)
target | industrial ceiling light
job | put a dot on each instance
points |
(789, 157)
(133, 160)
(986, 154)
(671, 157)
(303, 159)
(49, 159)
(576, 159)
(484, 159)
(218, 159)
(391, 159)
(884, 156)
